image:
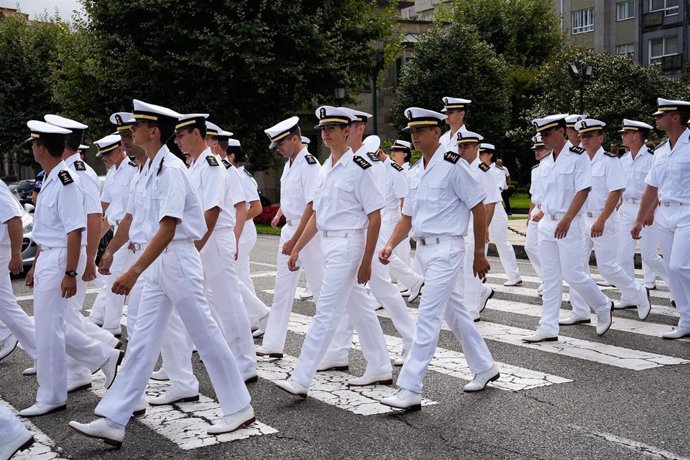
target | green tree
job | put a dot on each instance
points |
(619, 88)
(249, 63)
(455, 62)
(27, 51)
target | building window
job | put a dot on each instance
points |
(625, 10)
(660, 47)
(583, 21)
(627, 48)
(669, 7)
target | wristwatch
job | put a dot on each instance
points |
(71, 273)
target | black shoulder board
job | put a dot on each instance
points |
(535, 166)
(248, 173)
(451, 156)
(396, 166)
(212, 160)
(226, 163)
(659, 146)
(79, 165)
(650, 151)
(160, 167)
(484, 167)
(310, 159)
(612, 155)
(65, 178)
(576, 149)
(132, 163)
(499, 167)
(361, 162)
(373, 156)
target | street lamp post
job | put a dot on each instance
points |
(377, 62)
(582, 78)
(340, 91)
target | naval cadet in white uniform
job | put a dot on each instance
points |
(668, 183)
(561, 231)
(347, 208)
(601, 224)
(636, 164)
(173, 280)
(59, 221)
(535, 212)
(297, 189)
(455, 110)
(14, 437)
(437, 210)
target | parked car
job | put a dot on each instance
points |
(25, 189)
(13, 187)
(28, 245)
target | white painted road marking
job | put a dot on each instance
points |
(44, 448)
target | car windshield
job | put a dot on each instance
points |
(25, 185)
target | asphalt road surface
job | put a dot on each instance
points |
(624, 395)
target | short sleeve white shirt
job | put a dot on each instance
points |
(118, 183)
(636, 171)
(670, 172)
(89, 183)
(9, 209)
(567, 175)
(607, 177)
(136, 206)
(298, 184)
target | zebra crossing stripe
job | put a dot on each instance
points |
(452, 363)
(43, 448)
(185, 424)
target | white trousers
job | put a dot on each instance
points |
(498, 231)
(342, 256)
(310, 259)
(674, 234)
(122, 260)
(14, 319)
(606, 252)
(51, 313)
(387, 295)
(246, 246)
(471, 286)
(532, 246)
(222, 291)
(653, 264)
(562, 259)
(10, 426)
(442, 266)
(399, 268)
(174, 281)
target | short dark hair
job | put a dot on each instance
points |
(167, 129)
(54, 144)
(74, 139)
(238, 151)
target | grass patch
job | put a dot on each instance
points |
(267, 229)
(520, 200)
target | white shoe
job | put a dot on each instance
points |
(517, 282)
(378, 379)
(117, 333)
(258, 333)
(573, 319)
(110, 367)
(233, 422)
(160, 375)
(265, 351)
(416, 290)
(99, 429)
(306, 295)
(650, 286)
(30, 370)
(400, 360)
(404, 399)
(540, 290)
(405, 293)
(97, 321)
(76, 385)
(8, 346)
(480, 380)
(22, 441)
(261, 327)
(476, 317)
(250, 377)
(604, 320)
(644, 308)
(487, 293)
(42, 409)
(139, 409)
(604, 283)
(677, 333)
(624, 304)
(328, 365)
(174, 395)
(292, 387)
(540, 335)
(116, 343)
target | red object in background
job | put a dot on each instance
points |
(267, 216)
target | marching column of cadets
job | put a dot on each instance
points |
(183, 236)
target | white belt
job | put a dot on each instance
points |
(554, 215)
(671, 203)
(593, 213)
(137, 247)
(341, 233)
(429, 240)
(292, 222)
(44, 248)
(631, 200)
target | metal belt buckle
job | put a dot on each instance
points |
(590, 214)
